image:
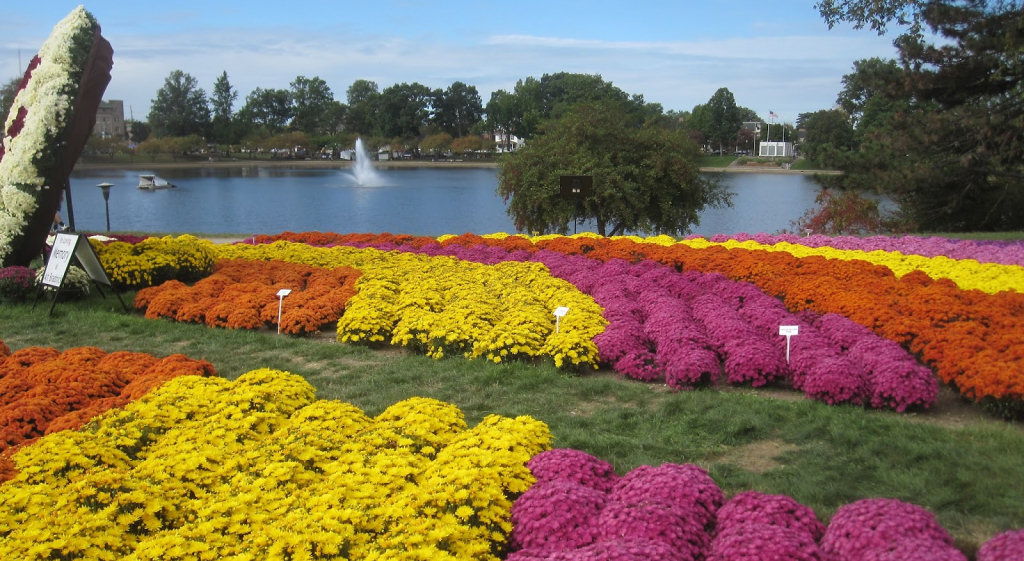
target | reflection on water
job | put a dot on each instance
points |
(420, 201)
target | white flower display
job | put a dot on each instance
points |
(43, 105)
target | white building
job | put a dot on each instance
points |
(773, 149)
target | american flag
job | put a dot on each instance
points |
(773, 115)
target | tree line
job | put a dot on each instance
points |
(411, 115)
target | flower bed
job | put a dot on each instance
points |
(443, 306)
(256, 468)
(955, 332)
(967, 337)
(152, 261)
(674, 327)
(43, 390)
(242, 294)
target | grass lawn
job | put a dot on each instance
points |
(715, 161)
(955, 461)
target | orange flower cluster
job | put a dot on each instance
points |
(970, 338)
(43, 390)
(242, 294)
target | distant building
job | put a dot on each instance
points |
(110, 120)
(772, 149)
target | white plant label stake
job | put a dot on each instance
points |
(280, 303)
(789, 331)
(559, 314)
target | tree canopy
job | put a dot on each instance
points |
(534, 101)
(222, 101)
(270, 109)
(830, 137)
(180, 107)
(457, 109)
(313, 105)
(645, 176)
(942, 129)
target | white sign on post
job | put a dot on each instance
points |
(280, 303)
(60, 259)
(65, 247)
(559, 314)
(789, 331)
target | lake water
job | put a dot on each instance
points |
(419, 201)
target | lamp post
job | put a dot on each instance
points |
(106, 200)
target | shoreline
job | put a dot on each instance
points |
(392, 164)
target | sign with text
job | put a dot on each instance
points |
(60, 259)
(65, 248)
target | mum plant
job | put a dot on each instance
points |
(16, 282)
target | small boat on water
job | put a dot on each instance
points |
(151, 182)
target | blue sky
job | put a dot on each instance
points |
(773, 55)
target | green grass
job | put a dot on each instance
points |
(969, 472)
(715, 161)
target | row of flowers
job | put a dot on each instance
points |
(662, 325)
(967, 337)
(242, 294)
(988, 270)
(684, 328)
(983, 251)
(443, 306)
(43, 390)
(38, 116)
(966, 273)
(579, 509)
(205, 468)
(1005, 252)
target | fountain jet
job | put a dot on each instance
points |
(362, 170)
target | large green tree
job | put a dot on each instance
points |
(362, 97)
(502, 115)
(830, 137)
(534, 101)
(402, 110)
(457, 109)
(312, 106)
(269, 109)
(949, 143)
(645, 176)
(724, 119)
(180, 107)
(222, 100)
